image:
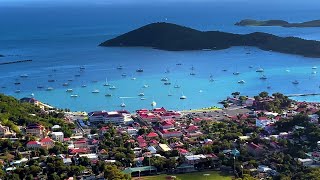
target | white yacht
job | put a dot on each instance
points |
(123, 105)
(141, 94)
(263, 77)
(83, 85)
(106, 83)
(69, 90)
(49, 88)
(73, 95)
(142, 98)
(96, 91)
(112, 87)
(241, 82)
(259, 70)
(295, 82)
(24, 75)
(153, 104)
(183, 97)
(314, 67)
(164, 79)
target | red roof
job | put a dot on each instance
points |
(182, 151)
(166, 123)
(159, 109)
(79, 150)
(33, 143)
(152, 134)
(263, 118)
(192, 128)
(80, 142)
(253, 145)
(45, 140)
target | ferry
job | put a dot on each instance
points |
(69, 90)
(139, 70)
(241, 82)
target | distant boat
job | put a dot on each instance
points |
(141, 94)
(183, 97)
(24, 75)
(82, 68)
(51, 80)
(40, 87)
(268, 87)
(17, 83)
(153, 104)
(178, 64)
(295, 82)
(192, 68)
(124, 75)
(263, 77)
(167, 71)
(211, 78)
(112, 87)
(192, 73)
(73, 95)
(49, 88)
(250, 67)
(314, 67)
(177, 86)
(95, 91)
(167, 83)
(145, 86)
(164, 79)
(142, 98)
(139, 70)
(224, 70)
(133, 78)
(18, 91)
(241, 82)
(77, 75)
(122, 105)
(287, 70)
(260, 70)
(106, 83)
(108, 95)
(314, 72)
(236, 73)
(65, 84)
(94, 81)
(69, 90)
(119, 67)
(83, 85)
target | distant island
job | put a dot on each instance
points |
(172, 37)
(251, 22)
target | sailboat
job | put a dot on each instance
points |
(176, 85)
(122, 104)
(106, 83)
(112, 87)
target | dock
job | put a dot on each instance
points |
(14, 62)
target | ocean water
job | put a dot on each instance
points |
(63, 38)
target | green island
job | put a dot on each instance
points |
(172, 37)
(282, 23)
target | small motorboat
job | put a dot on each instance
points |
(295, 82)
(145, 86)
(49, 88)
(74, 95)
(236, 73)
(112, 87)
(141, 94)
(51, 80)
(263, 77)
(108, 95)
(95, 91)
(241, 82)
(65, 84)
(139, 70)
(164, 79)
(69, 90)
(183, 97)
(18, 91)
(167, 83)
(259, 70)
(24, 75)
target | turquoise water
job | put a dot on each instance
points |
(66, 38)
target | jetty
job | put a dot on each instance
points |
(14, 62)
(306, 94)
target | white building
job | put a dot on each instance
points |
(115, 117)
(57, 136)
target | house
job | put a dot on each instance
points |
(58, 136)
(164, 147)
(36, 130)
(192, 129)
(47, 142)
(254, 149)
(33, 145)
(81, 143)
(152, 135)
(132, 131)
(314, 118)
(104, 130)
(193, 159)
(167, 134)
(4, 130)
(263, 121)
(305, 162)
(166, 125)
(148, 117)
(249, 102)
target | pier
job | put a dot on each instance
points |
(14, 62)
(306, 94)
